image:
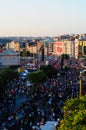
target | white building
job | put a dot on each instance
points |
(69, 48)
(13, 45)
(9, 57)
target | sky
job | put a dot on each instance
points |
(42, 17)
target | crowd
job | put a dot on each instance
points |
(70, 63)
(45, 105)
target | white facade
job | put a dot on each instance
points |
(33, 49)
(76, 49)
(9, 57)
(65, 47)
(69, 48)
(13, 45)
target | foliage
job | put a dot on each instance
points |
(74, 114)
(23, 53)
(65, 56)
(35, 78)
(6, 76)
(49, 70)
(26, 53)
(66, 68)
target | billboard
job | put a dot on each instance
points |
(59, 47)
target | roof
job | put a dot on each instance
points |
(48, 41)
(9, 52)
(33, 43)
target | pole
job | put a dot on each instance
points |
(81, 82)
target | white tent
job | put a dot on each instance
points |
(50, 125)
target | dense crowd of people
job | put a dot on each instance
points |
(70, 63)
(45, 105)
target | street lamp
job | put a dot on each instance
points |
(82, 76)
(80, 90)
(82, 80)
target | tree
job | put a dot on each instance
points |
(74, 115)
(49, 70)
(7, 75)
(64, 57)
(36, 78)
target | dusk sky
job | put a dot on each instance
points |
(42, 17)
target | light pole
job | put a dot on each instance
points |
(82, 75)
(82, 81)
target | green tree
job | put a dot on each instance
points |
(36, 78)
(64, 57)
(23, 53)
(74, 115)
(7, 75)
(28, 53)
(49, 70)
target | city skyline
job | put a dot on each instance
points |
(42, 17)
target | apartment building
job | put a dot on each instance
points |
(50, 48)
(81, 48)
(69, 48)
(13, 45)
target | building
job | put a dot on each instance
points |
(33, 47)
(81, 48)
(69, 48)
(76, 48)
(9, 57)
(13, 45)
(50, 48)
(58, 48)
